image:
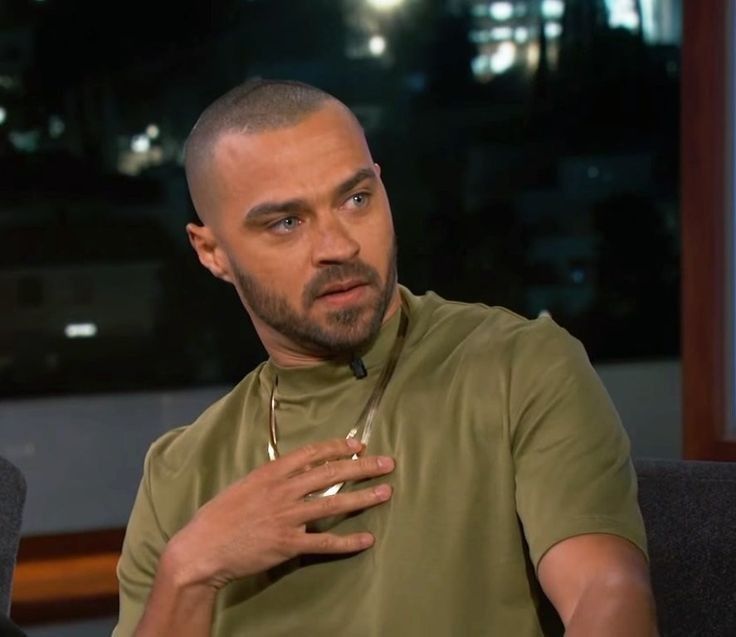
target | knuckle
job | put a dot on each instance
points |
(330, 470)
(284, 544)
(369, 465)
(326, 542)
(310, 450)
(328, 505)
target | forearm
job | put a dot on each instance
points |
(614, 610)
(178, 606)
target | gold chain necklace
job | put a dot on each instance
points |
(367, 415)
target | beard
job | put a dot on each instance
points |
(342, 331)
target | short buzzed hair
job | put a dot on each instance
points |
(255, 106)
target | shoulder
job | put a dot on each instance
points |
(180, 451)
(478, 331)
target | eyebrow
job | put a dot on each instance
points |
(295, 205)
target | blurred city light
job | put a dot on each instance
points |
(8, 82)
(26, 141)
(553, 30)
(385, 4)
(521, 35)
(80, 330)
(152, 131)
(623, 13)
(377, 45)
(502, 11)
(56, 126)
(504, 57)
(553, 8)
(3, 115)
(140, 144)
(502, 33)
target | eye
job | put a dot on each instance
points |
(285, 225)
(358, 200)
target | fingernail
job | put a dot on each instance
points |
(385, 462)
(354, 444)
(382, 491)
(366, 540)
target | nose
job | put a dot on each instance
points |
(332, 241)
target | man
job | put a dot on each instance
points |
(400, 465)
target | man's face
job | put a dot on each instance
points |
(304, 225)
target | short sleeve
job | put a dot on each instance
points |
(143, 545)
(571, 454)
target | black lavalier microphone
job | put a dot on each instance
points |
(358, 368)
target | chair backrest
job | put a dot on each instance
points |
(689, 509)
(12, 499)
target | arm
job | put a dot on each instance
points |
(599, 585)
(255, 524)
(576, 492)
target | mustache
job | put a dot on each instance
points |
(339, 272)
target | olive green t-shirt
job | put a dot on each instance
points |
(505, 443)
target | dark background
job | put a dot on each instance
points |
(530, 150)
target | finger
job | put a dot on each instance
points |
(314, 454)
(319, 508)
(329, 543)
(327, 474)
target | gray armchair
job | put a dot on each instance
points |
(12, 499)
(689, 509)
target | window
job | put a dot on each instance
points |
(529, 147)
(30, 291)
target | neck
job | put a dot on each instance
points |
(286, 354)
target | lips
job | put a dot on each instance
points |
(339, 288)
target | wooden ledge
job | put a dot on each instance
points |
(65, 577)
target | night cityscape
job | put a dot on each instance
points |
(529, 148)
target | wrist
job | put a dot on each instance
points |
(184, 565)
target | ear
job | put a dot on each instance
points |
(209, 252)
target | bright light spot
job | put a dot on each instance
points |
(481, 65)
(3, 115)
(140, 144)
(80, 330)
(532, 55)
(501, 11)
(553, 30)
(56, 126)
(377, 45)
(544, 314)
(152, 131)
(553, 8)
(503, 59)
(502, 33)
(626, 20)
(622, 13)
(385, 5)
(521, 35)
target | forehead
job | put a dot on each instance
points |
(314, 154)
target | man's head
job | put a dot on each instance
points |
(295, 217)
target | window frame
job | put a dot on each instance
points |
(707, 215)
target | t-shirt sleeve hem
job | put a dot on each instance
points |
(590, 525)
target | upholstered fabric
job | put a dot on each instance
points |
(8, 628)
(689, 510)
(12, 498)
